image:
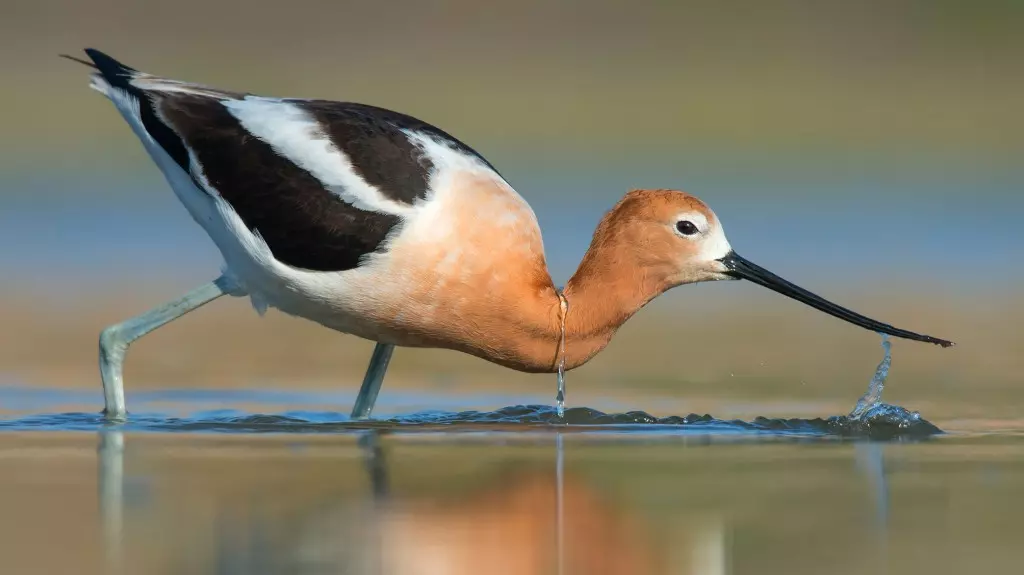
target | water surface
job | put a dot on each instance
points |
(268, 489)
(28, 409)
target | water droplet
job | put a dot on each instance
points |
(873, 397)
(563, 305)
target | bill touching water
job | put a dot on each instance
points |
(873, 397)
(871, 412)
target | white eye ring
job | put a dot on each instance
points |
(691, 224)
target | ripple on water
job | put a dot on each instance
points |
(882, 421)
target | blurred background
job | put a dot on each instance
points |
(869, 151)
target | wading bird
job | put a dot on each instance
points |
(376, 224)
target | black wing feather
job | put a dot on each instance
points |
(304, 224)
(119, 76)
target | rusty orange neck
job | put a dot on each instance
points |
(606, 290)
(603, 293)
(505, 309)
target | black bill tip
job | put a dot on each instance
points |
(742, 268)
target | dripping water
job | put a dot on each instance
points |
(563, 305)
(873, 397)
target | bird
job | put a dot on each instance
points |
(374, 223)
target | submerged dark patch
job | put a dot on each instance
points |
(304, 224)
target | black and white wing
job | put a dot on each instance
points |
(322, 182)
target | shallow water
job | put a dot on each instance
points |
(267, 486)
(882, 421)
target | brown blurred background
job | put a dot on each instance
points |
(869, 151)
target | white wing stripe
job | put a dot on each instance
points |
(296, 135)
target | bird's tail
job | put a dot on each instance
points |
(109, 72)
(79, 60)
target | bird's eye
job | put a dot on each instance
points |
(686, 227)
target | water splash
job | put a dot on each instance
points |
(870, 412)
(873, 397)
(884, 422)
(563, 305)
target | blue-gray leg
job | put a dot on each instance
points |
(372, 381)
(114, 340)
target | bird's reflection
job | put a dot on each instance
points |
(376, 466)
(870, 459)
(538, 520)
(511, 525)
(540, 516)
(111, 495)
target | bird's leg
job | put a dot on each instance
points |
(114, 340)
(372, 381)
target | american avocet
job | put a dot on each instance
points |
(377, 224)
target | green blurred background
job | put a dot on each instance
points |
(870, 151)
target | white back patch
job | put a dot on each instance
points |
(444, 157)
(296, 135)
(449, 162)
